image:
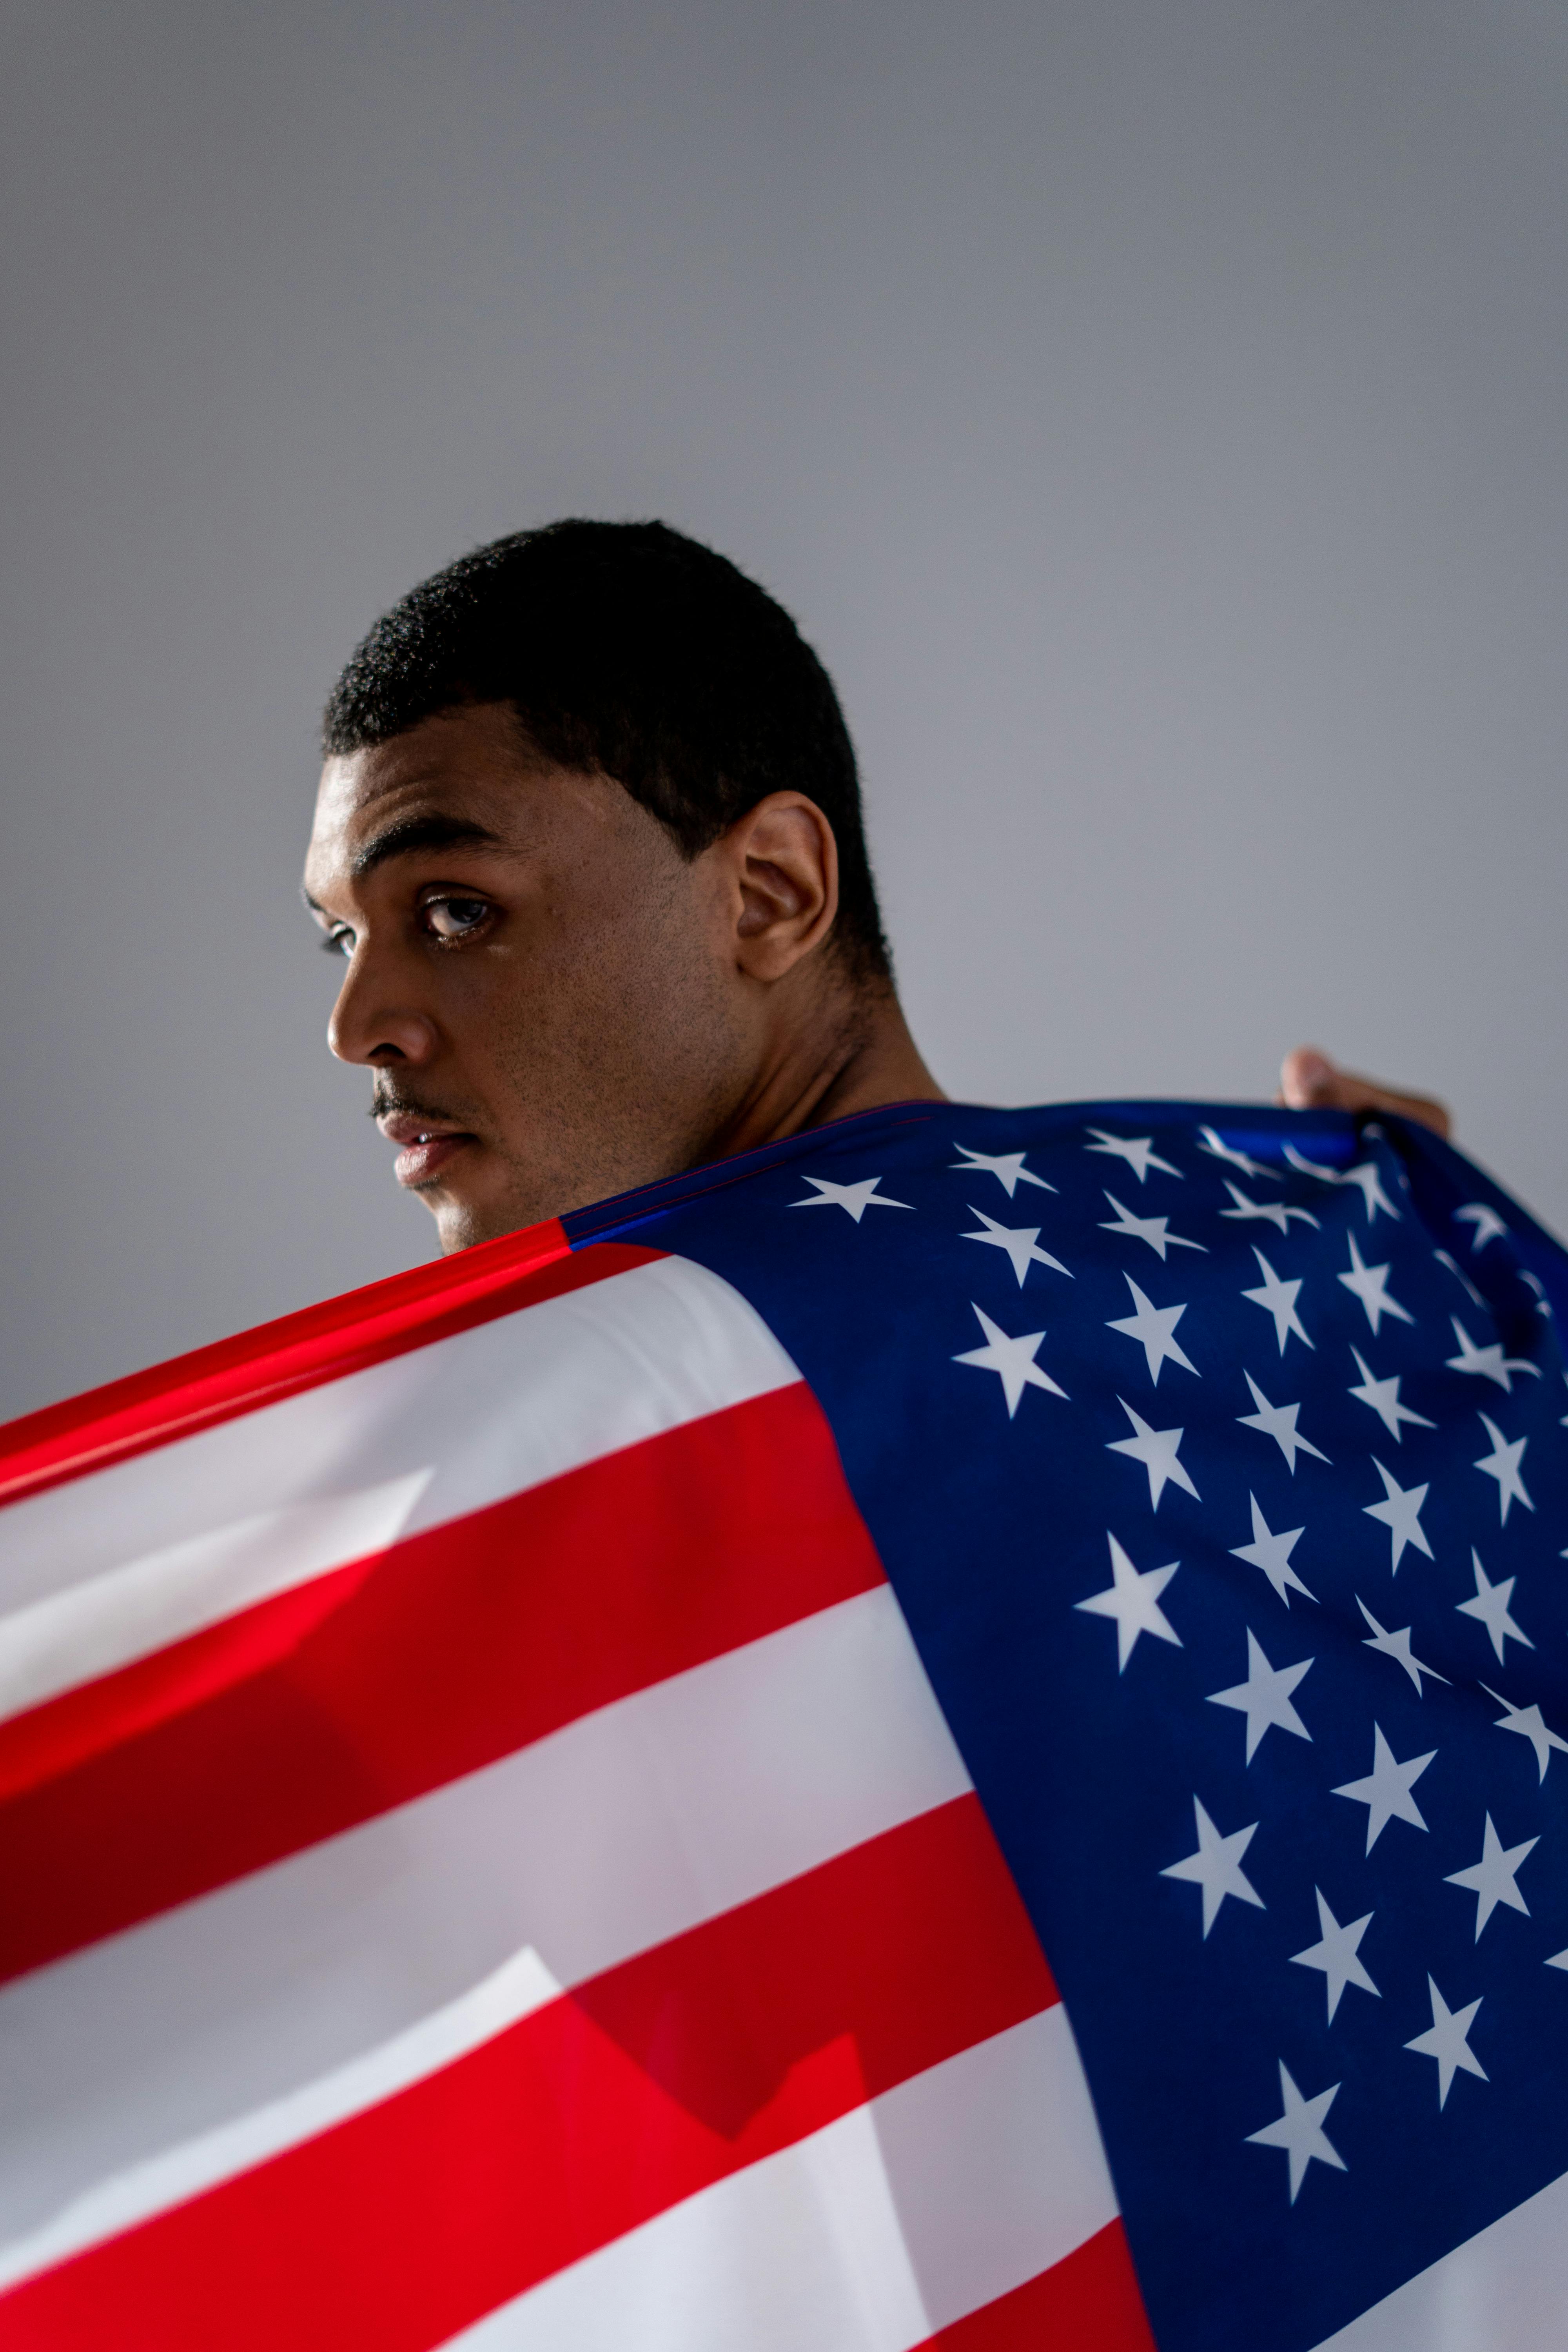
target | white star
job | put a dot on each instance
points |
(1489, 1607)
(1542, 1304)
(1382, 1396)
(1278, 1213)
(1153, 1327)
(1152, 1230)
(1021, 1244)
(1300, 2130)
(1397, 1647)
(1492, 1880)
(1007, 1166)
(1558, 1959)
(1456, 1268)
(1012, 1361)
(1276, 1299)
(1272, 1553)
(1502, 1463)
(1279, 1421)
(1132, 1599)
(1400, 1511)
(1487, 1224)
(1372, 1195)
(1370, 1284)
(1138, 1151)
(1448, 2042)
(1216, 1867)
(1335, 1954)
(853, 1198)
(1265, 1697)
(1217, 1147)
(1365, 1176)
(1156, 1449)
(1385, 1791)
(1313, 1167)
(1487, 1363)
(1530, 1724)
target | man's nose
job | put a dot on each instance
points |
(377, 1020)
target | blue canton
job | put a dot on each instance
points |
(1218, 1459)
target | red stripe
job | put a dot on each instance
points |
(406, 2223)
(298, 1351)
(1087, 2303)
(321, 1707)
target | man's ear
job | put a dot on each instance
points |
(781, 864)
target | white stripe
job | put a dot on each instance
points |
(486, 1411)
(896, 2221)
(516, 1989)
(627, 1827)
(91, 1628)
(1504, 2289)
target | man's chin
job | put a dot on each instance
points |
(460, 1225)
(478, 1194)
(465, 1217)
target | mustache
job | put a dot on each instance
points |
(387, 1101)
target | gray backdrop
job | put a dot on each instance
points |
(1152, 409)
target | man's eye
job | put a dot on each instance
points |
(455, 919)
(340, 942)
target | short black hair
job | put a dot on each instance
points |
(627, 648)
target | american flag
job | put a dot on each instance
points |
(567, 1801)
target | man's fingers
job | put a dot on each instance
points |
(1310, 1081)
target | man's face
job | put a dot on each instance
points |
(543, 985)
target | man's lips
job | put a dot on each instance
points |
(427, 1146)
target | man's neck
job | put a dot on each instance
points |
(857, 1056)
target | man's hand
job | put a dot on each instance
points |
(1310, 1081)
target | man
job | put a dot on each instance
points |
(589, 838)
(535, 1799)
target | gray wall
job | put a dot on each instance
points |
(1152, 409)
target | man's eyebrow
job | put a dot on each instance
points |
(422, 833)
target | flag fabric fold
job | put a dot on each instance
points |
(948, 1733)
